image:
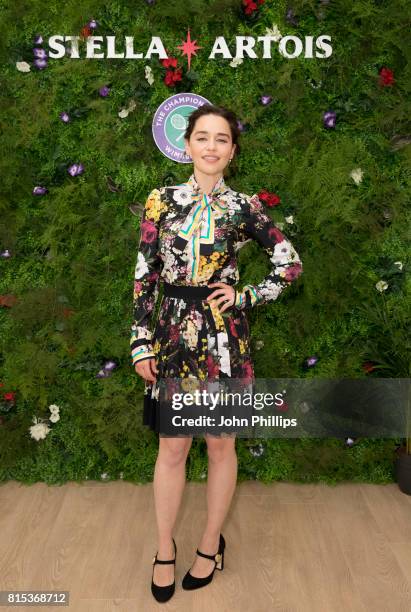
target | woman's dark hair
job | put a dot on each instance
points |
(221, 111)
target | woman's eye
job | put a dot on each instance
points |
(219, 140)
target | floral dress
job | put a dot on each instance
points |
(191, 239)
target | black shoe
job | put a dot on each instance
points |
(191, 582)
(163, 593)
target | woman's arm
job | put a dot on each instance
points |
(285, 262)
(146, 278)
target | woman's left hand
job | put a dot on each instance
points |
(226, 295)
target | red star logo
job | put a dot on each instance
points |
(189, 47)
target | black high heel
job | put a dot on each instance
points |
(191, 582)
(163, 593)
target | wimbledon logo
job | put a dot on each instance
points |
(170, 123)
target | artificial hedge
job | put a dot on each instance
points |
(68, 254)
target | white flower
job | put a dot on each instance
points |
(39, 431)
(259, 344)
(104, 476)
(356, 175)
(141, 266)
(54, 408)
(23, 66)
(274, 31)
(236, 61)
(399, 264)
(125, 111)
(381, 286)
(183, 197)
(289, 219)
(54, 417)
(149, 75)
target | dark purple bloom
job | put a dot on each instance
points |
(291, 18)
(40, 53)
(93, 24)
(243, 127)
(329, 119)
(40, 63)
(104, 91)
(75, 169)
(65, 117)
(103, 374)
(38, 190)
(265, 100)
(38, 40)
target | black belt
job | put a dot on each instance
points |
(187, 292)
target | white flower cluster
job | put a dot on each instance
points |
(40, 429)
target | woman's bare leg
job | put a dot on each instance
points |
(168, 484)
(221, 483)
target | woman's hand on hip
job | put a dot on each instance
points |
(147, 369)
(225, 294)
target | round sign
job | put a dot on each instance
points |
(170, 122)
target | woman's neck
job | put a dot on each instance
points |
(206, 182)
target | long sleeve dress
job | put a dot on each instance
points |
(190, 239)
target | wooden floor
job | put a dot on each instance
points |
(289, 547)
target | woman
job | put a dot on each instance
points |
(189, 237)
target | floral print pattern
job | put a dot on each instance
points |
(191, 239)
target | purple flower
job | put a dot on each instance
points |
(109, 365)
(40, 63)
(104, 91)
(75, 169)
(65, 117)
(329, 118)
(103, 374)
(38, 190)
(243, 127)
(93, 24)
(5, 253)
(38, 40)
(311, 361)
(265, 100)
(40, 53)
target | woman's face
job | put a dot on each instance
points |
(210, 145)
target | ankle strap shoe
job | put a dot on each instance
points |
(163, 593)
(191, 582)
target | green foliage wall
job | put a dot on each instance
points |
(66, 289)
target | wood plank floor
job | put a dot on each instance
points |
(290, 547)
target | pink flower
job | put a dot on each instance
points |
(233, 329)
(137, 286)
(248, 371)
(148, 232)
(293, 271)
(174, 334)
(275, 233)
(212, 367)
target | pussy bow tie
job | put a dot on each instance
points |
(198, 226)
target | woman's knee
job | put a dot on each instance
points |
(219, 449)
(174, 450)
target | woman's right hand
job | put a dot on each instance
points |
(147, 369)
